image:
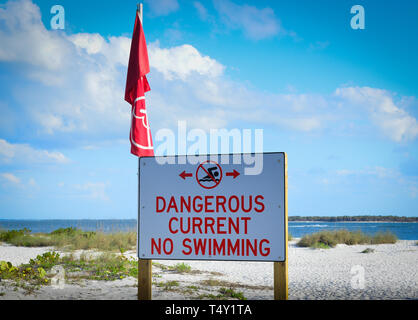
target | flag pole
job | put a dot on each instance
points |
(144, 266)
(139, 10)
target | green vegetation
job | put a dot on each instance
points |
(6, 235)
(179, 267)
(182, 268)
(368, 250)
(106, 266)
(321, 245)
(223, 283)
(224, 294)
(31, 275)
(169, 285)
(213, 282)
(329, 239)
(355, 218)
(72, 239)
(232, 293)
(73, 232)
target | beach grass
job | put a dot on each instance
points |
(72, 239)
(76, 239)
(329, 239)
(182, 268)
(168, 285)
(224, 294)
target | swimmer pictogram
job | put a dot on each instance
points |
(209, 174)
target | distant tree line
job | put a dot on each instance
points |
(355, 218)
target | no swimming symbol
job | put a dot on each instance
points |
(209, 174)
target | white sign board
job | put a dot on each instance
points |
(212, 211)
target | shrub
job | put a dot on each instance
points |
(232, 293)
(72, 238)
(33, 273)
(31, 241)
(8, 235)
(47, 260)
(182, 267)
(368, 250)
(67, 231)
(326, 239)
(384, 237)
(73, 232)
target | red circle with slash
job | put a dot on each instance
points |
(208, 175)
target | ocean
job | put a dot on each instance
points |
(403, 230)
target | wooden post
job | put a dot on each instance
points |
(144, 279)
(281, 278)
(144, 266)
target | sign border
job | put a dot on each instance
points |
(285, 216)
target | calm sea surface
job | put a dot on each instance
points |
(404, 231)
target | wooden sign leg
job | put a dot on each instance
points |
(144, 279)
(281, 278)
(281, 281)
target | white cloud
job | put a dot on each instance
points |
(87, 98)
(413, 191)
(256, 23)
(115, 49)
(318, 45)
(40, 48)
(301, 124)
(93, 190)
(377, 171)
(201, 10)
(32, 183)
(393, 121)
(84, 69)
(92, 42)
(23, 153)
(11, 178)
(162, 7)
(182, 61)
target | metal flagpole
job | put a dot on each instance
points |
(144, 266)
(139, 10)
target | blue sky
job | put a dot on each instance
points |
(341, 102)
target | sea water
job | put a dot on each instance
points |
(403, 230)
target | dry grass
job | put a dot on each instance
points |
(329, 239)
(72, 239)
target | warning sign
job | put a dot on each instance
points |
(212, 211)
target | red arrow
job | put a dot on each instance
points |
(234, 174)
(184, 175)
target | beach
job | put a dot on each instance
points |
(343, 272)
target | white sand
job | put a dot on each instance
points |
(390, 272)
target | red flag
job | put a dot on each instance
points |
(136, 86)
